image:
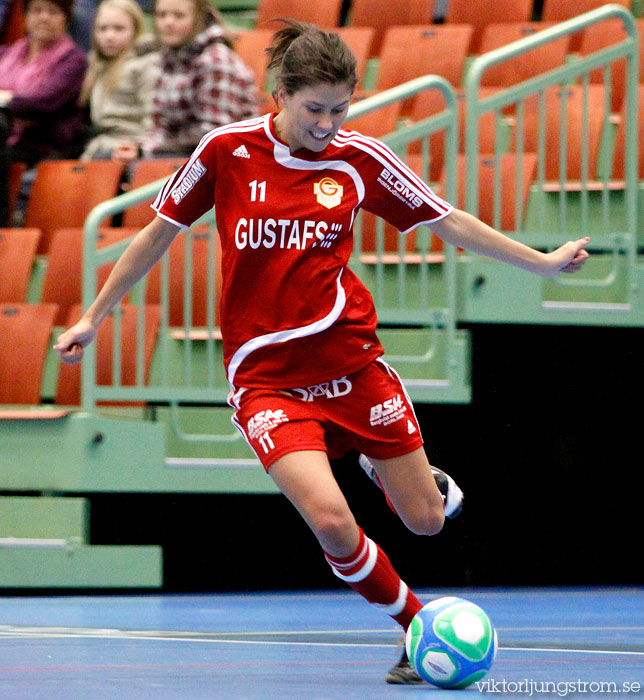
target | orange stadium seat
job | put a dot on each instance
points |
(378, 123)
(483, 12)
(146, 171)
(17, 256)
(508, 186)
(25, 337)
(599, 36)
(69, 376)
(200, 273)
(251, 46)
(413, 51)
(65, 191)
(324, 13)
(63, 277)
(528, 65)
(574, 98)
(383, 14)
(431, 102)
(560, 10)
(359, 40)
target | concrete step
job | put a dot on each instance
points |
(50, 563)
(44, 517)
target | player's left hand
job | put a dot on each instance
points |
(568, 258)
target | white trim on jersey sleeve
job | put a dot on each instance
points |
(185, 227)
(262, 341)
(427, 221)
(392, 162)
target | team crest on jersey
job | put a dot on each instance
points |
(328, 192)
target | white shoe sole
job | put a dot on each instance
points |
(454, 499)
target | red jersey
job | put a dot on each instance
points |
(292, 312)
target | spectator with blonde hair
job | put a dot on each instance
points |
(122, 72)
(202, 83)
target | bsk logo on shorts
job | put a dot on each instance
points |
(260, 425)
(388, 411)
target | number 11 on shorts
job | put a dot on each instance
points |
(266, 442)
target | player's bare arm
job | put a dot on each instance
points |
(145, 250)
(466, 231)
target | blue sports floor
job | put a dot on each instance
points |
(582, 643)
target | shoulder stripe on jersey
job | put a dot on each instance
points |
(236, 128)
(393, 163)
(262, 341)
(374, 146)
(386, 156)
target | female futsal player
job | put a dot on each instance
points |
(300, 349)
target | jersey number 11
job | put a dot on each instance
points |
(257, 188)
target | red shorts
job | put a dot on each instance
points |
(368, 411)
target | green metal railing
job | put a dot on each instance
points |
(611, 230)
(188, 365)
(420, 288)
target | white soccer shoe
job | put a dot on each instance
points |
(451, 493)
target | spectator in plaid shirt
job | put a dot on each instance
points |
(202, 83)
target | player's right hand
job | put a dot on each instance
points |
(72, 342)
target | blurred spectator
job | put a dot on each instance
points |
(12, 21)
(40, 80)
(82, 22)
(202, 83)
(121, 75)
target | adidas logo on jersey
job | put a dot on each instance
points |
(411, 428)
(241, 152)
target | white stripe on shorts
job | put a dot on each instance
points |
(392, 373)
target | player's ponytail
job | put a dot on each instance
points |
(302, 55)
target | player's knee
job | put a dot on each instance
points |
(426, 521)
(332, 526)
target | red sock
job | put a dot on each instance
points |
(369, 572)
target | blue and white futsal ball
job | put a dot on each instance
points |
(451, 642)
